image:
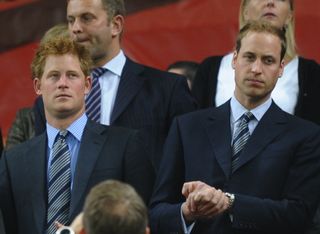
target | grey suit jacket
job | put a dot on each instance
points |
(105, 153)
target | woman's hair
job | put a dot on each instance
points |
(291, 43)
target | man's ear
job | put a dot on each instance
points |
(37, 85)
(282, 64)
(234, 59)
(88, 84)
(117, 25)
(147, 230)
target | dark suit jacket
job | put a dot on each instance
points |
(205, 86)
(147, 99)
(105, 153)
(2, 230)
(276, 185)
(1, 143)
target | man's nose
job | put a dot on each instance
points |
(63, 81)
(76, 26)
(256, 66)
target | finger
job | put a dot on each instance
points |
(191, 203)
(58, 224)
(187, 214)
(186, 189)
(204, 195)
(190, 187)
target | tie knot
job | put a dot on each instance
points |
(246, 117)
(63, 133)
(97, 72)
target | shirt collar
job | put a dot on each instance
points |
(76, 129)
(116, 64)
(237, 110)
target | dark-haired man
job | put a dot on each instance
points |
(246, 166)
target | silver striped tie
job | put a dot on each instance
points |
(93, 100)
(240, 137)
(59, 188)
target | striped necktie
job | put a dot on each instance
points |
(59, 189)
(241, 137)
(93, 100)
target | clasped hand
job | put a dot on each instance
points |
(202, 201)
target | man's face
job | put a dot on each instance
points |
(257, 67)
(88, 25)
(63, 87)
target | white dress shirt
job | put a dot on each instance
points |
(109, 83)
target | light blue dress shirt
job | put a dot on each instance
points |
(237, 110)
(73, 140)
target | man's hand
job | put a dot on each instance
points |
(202, 201)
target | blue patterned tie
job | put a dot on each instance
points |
(59, 189)
(93, 100)
(241, 137)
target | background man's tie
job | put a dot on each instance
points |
(241, 137)
(59, 189)
(93, 100)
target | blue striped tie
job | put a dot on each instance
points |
(59, 189)
(93, 100)
(241, 137)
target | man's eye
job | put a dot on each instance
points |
(70, 21)
(54, 76)
(72, 76)
(87, 18)
(249, 57)
(269, 61)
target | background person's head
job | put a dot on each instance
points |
(114, 207)
(278, 13)
(185, 68)
(98, 25)
(59, 30)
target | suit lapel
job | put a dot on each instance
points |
(130, 84)
(91, 144)
(218, 125)
(36, 167)
(268, 128)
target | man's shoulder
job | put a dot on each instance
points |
(101, 129)
(152, 73)
(200, 117)
(295, 123)
(25, 147)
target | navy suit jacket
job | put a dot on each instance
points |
(147, 99)
(276, 183)
(105, 153)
